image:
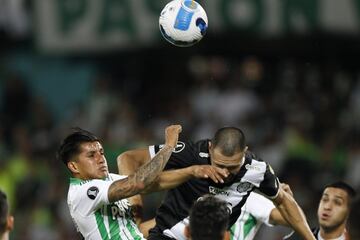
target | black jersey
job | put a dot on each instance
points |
(255, 174)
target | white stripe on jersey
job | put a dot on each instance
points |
(255, 212)
(95, 217)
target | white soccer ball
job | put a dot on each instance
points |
(183, 22)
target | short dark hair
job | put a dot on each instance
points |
(4, 211)
(344, 186)
(70, 145)
(209, 218)
(230, 140)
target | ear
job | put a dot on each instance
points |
(73, 167)
(227, 235)
(10, 223)
(246, 148)
(187, 232)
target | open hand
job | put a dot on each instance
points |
(207, 171)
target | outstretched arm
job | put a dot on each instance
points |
(146, 174)
(293, 214)
(173, 178)
(275, 217)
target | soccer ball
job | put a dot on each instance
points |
(183, 22)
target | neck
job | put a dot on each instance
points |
(333, 233)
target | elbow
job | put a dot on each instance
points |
(140, 186)
(121, 158)
(122, 162)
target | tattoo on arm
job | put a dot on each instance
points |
(142, 178)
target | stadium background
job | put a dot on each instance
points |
(285, 71)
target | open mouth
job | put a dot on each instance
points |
(325, 216)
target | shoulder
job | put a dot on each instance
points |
(88, 188)
(198, 146)
(190, 148)
(255, 165)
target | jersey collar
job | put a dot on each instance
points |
(76, 181)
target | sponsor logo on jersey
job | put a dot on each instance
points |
(203, 155)
(92, 192)
(179, 147)
(120, 209)
(218, 191)
(251, 167)
(244, 187)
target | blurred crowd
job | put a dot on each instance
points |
(300, 116)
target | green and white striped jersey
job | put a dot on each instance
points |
(95, 217)
(255, 212)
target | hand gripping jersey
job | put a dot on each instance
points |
(96, 218)
(255, 174)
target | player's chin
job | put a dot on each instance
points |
(325, 223)
(103, 173)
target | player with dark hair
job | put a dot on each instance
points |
(97, 198)
(209, 218)
(6, 220)
(333, 212)
(247, 173)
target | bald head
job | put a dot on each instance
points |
(229, 140)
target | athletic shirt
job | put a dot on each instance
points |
(94, 216)
(254, 174)
(252, 217)
(316, 231)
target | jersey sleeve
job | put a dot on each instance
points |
(270, 184)
(182, 156)
(90, 196)
(259, 207)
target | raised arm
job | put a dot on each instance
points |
(147, 173)
(128, 162)
(293, 214)
(275, 217)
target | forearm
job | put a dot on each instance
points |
(277, 219)
(292, 213)
(146, 226)
(142, 178)
(170, 179)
